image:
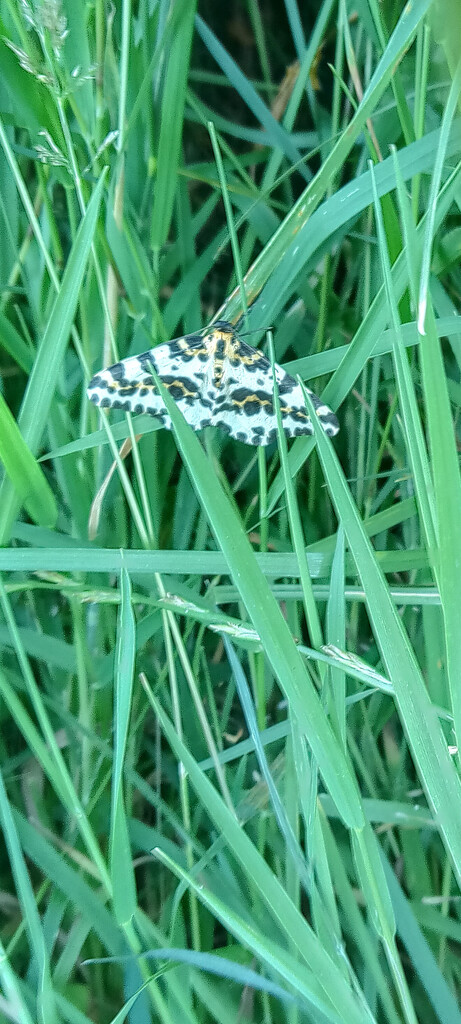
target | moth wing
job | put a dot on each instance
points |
(293, 407)
(129, 384)
(245, 410)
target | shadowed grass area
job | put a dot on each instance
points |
(230, 677)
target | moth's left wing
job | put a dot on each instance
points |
(181, 365)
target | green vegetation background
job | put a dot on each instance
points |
(230, 679)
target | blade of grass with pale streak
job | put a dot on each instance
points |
(445, 461)
(266, 617)
(46, 1008)
(42, 381)
(121, 863)
(409, 233)
(417, 714)
(363, 345)
(325, 975)
(177, 563)
(26, 476)
(415, 442)
(274, 253)
(171, 122)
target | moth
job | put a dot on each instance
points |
(216, 380)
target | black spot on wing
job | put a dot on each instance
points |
(185, 349)
(250, 403)
(330, 424)
(184, 389)
(147, 360)
(117, 371)
(96, 382)
(299, 415)
(287, 384)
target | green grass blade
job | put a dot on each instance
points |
(171, 122)
(24, 473)
(121, 866)
(42, 381)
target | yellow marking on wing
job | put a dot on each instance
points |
(252, 398)
(192, 350)
(182, 387)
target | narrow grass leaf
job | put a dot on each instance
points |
(445, 460)
(407, 399)
(121, 864)
(171, 120)
(310, 607)
(375, 892)
(143, 563)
